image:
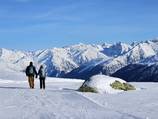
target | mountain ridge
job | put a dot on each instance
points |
(106, 58)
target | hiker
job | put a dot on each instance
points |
(42, 76)
(31, 72)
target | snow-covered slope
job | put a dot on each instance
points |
(117, 49)
(60, 100)
(150, 60)
(135, 55)
(14, 60)
(105, 58)
(57, 60)
(60, 61)
(142, 52)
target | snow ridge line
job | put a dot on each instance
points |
(124, 114)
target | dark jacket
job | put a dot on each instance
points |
(33, 73)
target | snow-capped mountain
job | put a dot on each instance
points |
(81, 59)
(57, 60)
(14, 60)
(136, 54)
(60, 61)
(117, 49)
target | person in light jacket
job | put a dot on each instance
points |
(42, 76)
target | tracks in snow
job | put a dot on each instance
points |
(53, 104)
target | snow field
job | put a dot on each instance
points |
(60, 100)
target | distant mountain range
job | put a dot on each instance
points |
(83, 61)
(141, 53)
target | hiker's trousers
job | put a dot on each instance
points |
(42, 83)
(31, 81)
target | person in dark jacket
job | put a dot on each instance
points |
(42, 76)
(31, 73)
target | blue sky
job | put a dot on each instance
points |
(38, 24)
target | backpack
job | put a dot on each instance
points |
(31, 70)
(42, 73)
